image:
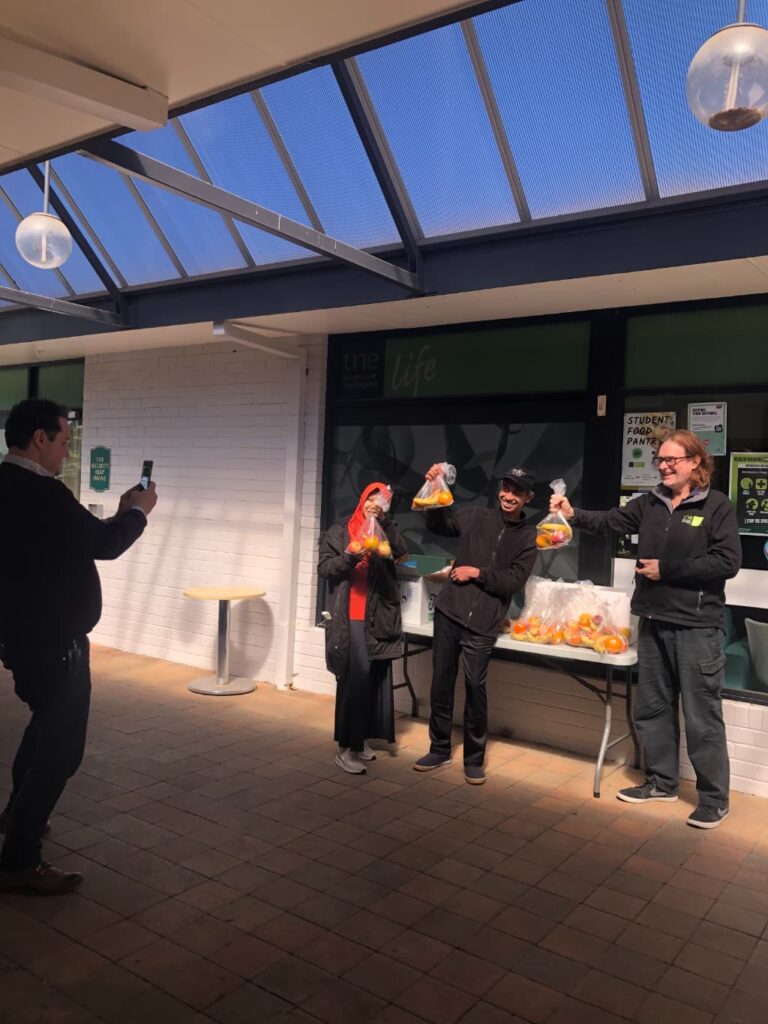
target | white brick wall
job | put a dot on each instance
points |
(213, 419)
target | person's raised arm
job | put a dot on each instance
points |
(96, 538)
(615, 520)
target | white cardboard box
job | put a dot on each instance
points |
(417, 600)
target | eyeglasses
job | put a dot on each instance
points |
(670, 461)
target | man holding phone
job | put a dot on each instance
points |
(50, 599)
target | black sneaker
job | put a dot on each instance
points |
(474, 775)
(708, 817)
(642, 794)
(430, 761)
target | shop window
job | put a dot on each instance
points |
(697, 348)
(400, 454)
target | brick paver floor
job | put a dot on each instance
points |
(234, 874)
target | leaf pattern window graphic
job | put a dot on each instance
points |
(400, 454)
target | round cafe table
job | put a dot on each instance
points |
(221, 685)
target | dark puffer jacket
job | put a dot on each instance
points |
(383, 626)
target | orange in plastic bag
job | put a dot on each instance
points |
(370, 541)
(435, 493)
(554, 531)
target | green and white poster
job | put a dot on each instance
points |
(749, 491)
(642, 433)
(708, 421)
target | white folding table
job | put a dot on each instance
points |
(419, 639)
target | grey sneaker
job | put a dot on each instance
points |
(642, 794)
(475, 776)
(367, 754)
(708, 817)
(350, 762)
(430, 761)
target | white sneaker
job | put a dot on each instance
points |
(350, 762)
(367, 753)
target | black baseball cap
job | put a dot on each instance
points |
(522, 478)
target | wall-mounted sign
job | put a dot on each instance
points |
(749, 491)
(101, 465)
(642, 433)
(708, 420)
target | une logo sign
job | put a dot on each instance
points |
(413, 368)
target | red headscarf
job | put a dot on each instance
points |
(355, 523)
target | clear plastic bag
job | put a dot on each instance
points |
(541, 620)
(435, 493)
(554, 531)
(383, 498)
(371, 540)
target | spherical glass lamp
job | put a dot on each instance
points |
(727, 83)
(44, 241)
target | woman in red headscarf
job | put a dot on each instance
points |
(364, 634)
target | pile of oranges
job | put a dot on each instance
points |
(585, 631)
(371, 545)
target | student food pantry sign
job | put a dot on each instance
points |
(642, 433)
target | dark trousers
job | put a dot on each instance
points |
(365, 703)
(674, 663)
(58, 691)
(451, 642)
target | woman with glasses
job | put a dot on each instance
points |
(688, 547)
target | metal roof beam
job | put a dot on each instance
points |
(287, 160)
(251, 337)
(45, 302)
(196, 159)
(139, 165)
(62, 188)
(81, 241)
(494, 116)
(633, 98)
(352, 86)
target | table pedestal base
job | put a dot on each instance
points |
(212, 686)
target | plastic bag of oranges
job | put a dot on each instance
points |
(554, 531)
(610, 640)
(541, 620)
(370, 541)
(435, 493)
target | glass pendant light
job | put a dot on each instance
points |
(42, 239)
(727, 81)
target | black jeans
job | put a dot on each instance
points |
(58, 691)
(674, 663)
(450, 641)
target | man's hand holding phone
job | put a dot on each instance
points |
(144, 500)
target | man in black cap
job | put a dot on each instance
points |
(496, 555)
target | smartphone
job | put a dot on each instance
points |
(146, 474)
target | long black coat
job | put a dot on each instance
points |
(383, 626)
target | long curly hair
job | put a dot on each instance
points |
(693, 446)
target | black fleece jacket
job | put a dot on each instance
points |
(697, 545)
(503, 551)
(50, 592)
